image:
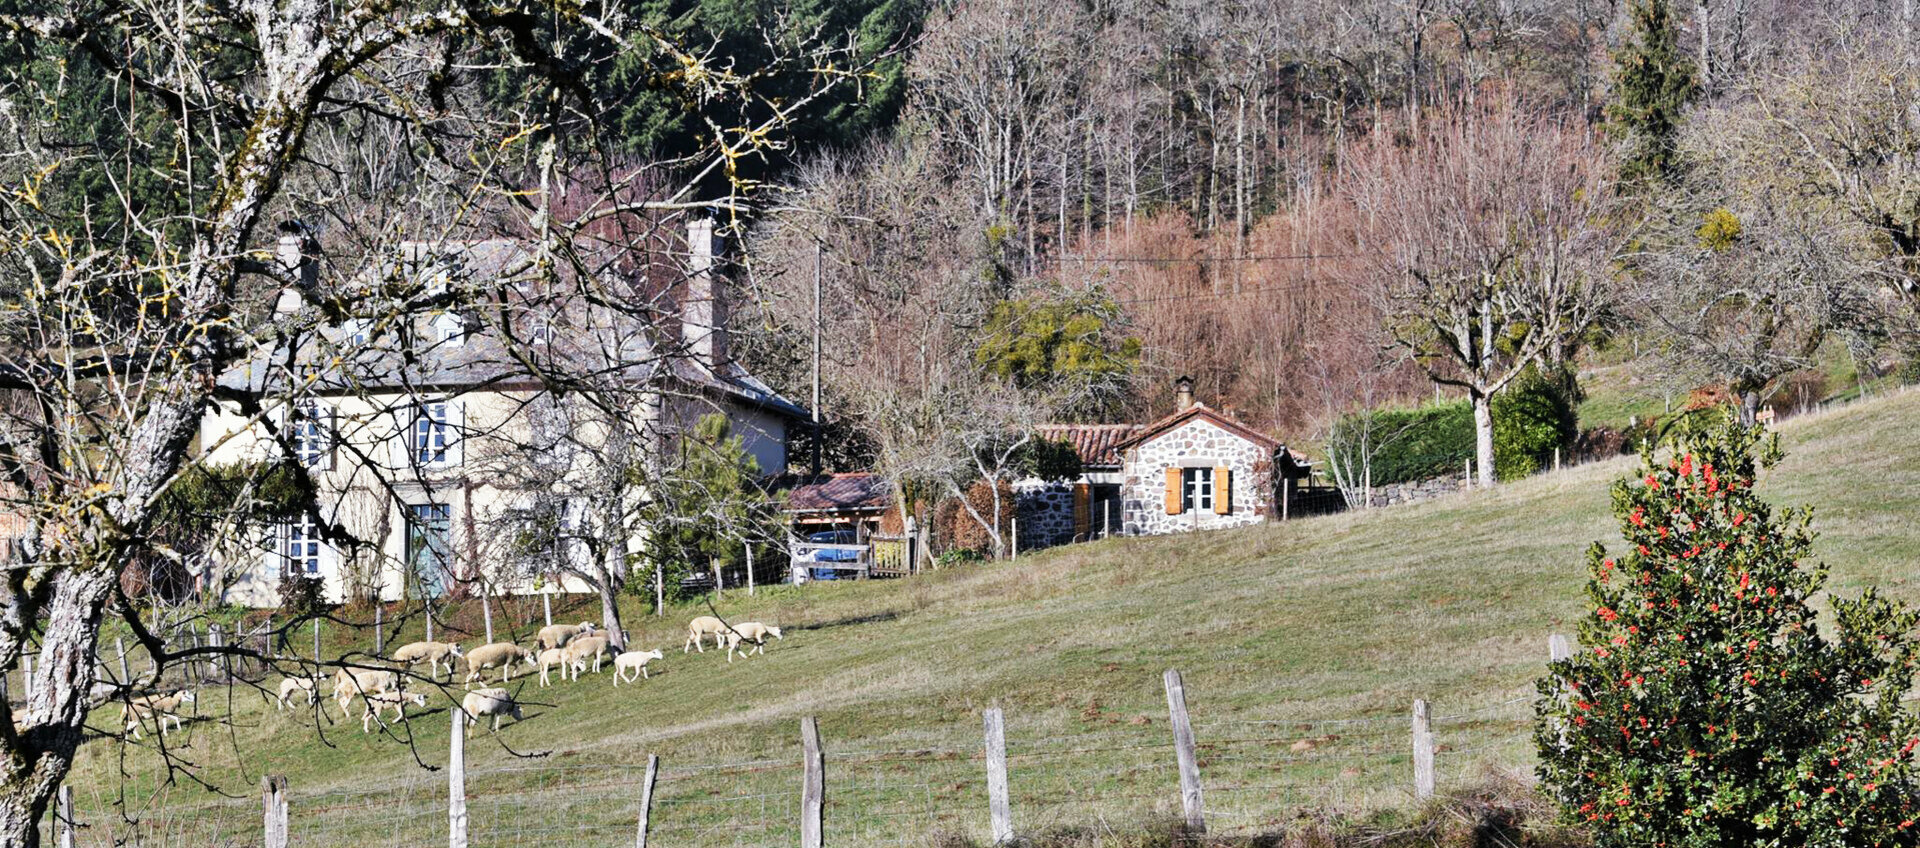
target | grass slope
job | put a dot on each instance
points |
(1322, 629)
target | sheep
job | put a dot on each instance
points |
(501, 655)
(551, 658)
(379, 702)
(751, 631)
(558, 635)
(488, 702)
(160, 708)
(349, 682)
(703, 626)
(290, 685)
(432, 653)
(580, 649)
(632, 660)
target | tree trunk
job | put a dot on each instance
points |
(1482, 437)
(36, 763)
(610, 615)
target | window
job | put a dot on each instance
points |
(429, 527)
(435, 442)
(1196, 489)
(313, 436)
(300, 547)
(358, 331)
(448, 328)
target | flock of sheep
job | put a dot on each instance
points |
(571, 648)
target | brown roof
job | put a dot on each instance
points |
(1198, 410)
(849, 492)
(1097, 444)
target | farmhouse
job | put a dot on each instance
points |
(423, 435)
(1059, 512)
(1197, 469)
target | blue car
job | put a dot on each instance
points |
(832, 537)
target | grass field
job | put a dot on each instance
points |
(1324, 629)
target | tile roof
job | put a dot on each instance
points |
(853, 491)
(1097, 444)
(1199, 410)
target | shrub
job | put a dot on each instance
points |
(1417, 443)
(1537, 414)
(1705, 707)
(960, 531)
(302, 596)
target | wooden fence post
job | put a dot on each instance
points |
(63, 815)
(1469, 474)
(1000, 810)
(273, 803)
(266, 639)
(316, 641)
(546, 605)
(427, 607)
(1558, 648)
(750, 581)
(1422, 751)
(379, 628)
(120, 645)
(457, 782)
(646, 800)
(1556, 458)
(1183, 751)
(813, 794)
(486, 611)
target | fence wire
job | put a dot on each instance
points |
(1258, 773)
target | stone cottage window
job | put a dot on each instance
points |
(1196, 486)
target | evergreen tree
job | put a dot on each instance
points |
(1705, 707)
(1652, 82)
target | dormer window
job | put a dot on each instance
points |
(449, 328)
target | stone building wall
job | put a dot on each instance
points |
(1196, 443)
(1046, 512)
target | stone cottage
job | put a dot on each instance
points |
(1060, 512)
(1197, 469)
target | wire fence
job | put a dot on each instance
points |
(1258, 774)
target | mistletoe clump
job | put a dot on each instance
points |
(1705, 706)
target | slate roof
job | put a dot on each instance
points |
(858, 491)
(408, 356)
(1097, 444)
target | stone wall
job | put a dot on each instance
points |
(1196, 443)
(1046, 513)
(1413, 492)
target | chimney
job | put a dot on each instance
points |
(1182, 394)
(703, 309)
(295, 253)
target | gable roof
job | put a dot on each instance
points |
(406, 356)
(1097, 444)
(1198, 411)
(858, 491)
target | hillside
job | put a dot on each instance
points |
(1304, 630)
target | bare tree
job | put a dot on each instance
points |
(1491, 236)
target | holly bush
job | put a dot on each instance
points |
(1705, 705)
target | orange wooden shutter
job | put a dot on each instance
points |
(1222, 490)
(1082, 510)
(1173, 491)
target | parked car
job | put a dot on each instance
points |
(832, 537)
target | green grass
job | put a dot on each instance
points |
(1312, 629)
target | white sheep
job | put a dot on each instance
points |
(290, 685)
(488, 702)
(431, 653)
(701, 627)
(552, 658)
(160, 708)
(754, 632)
(558, 635)
(580, 649)
(348, 682)
(633, 661)
(500, 655)
(379, 702)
